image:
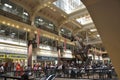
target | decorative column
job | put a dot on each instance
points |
(59, 47)
(31, 44)
(30, 48)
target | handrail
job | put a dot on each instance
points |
(51, 74)
(15, 17)
(10, 77)
(51, 77)
(49, 30)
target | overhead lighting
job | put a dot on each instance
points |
(7, 5)
(13, 25)
(51, 7)
(50, 24)
(64, 16)
(93, 30)
(13, 33)
(17, 26)
(40, 20)
(54, 9)
(62, 30)
(45, 4)
(28, 30)
(2, 31)
(68, 51)
(35, 32)
(98, 35)
(8, 24)
(25, 13)
(3, 22)
(49, 2)
(25, 29)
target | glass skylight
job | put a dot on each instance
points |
(84, 20)
(69, 6)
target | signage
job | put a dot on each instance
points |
(12, 49)
(46, 47)
(2, 55)
(13, 56)
(46, 58)
(17, 56)
(12, 41)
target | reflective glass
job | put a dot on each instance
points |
(10, 7)
(69, 6)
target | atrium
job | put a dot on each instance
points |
(59, 39)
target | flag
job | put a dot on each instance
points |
(59, 56)
(38, 37)
(65, 44)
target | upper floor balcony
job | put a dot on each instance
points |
(13, 11)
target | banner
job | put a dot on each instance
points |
(65, 44)
(38, 37)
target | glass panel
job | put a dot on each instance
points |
(12, 35)
(84, 20)
(10, 7)
(69, 6)
(19, 11)
(43, 23)
(66, 32)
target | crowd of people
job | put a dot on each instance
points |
(63, 69)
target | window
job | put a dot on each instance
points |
(69, 6)
(44, 24)
(10, 7)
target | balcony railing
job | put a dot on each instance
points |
(47, 29)
(9, 40)
(15, 17)
(65, 36)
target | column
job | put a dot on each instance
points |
(59, 46)
(31, 50)
(106, 16)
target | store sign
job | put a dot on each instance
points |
(68, 51)
(47, 47)
(2, 55)
(12, 41)
(46, 58)
(13, 49)
(18, 56)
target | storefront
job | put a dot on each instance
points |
(2, 57)
(13, 53)
(17, 57)
(46, 60)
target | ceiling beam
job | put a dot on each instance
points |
(78, 14)
(40, 6)
(94, 42)
(85, 27)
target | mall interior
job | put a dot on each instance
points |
(59, 39)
